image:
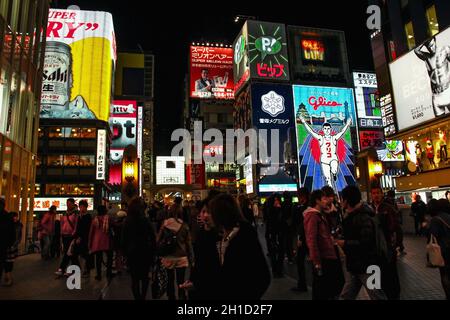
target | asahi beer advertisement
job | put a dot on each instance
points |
(326, 136)
(212, 73)
(79, 65)
(273, 110)
(123, 124)
(421, 82)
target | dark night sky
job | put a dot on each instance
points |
(168, 34)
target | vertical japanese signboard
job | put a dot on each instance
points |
(101, 154)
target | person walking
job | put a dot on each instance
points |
(68, 230)
(13, 251)
(440, 230)
(82, 237)
(245, 206)
(418, 211)
(117, 228)
(302, 249)
(179, 256)
(244, 273)
(47, 232)
(100, 242)
(55, 247)
(274, 234)
(359, 244)
(288, 227)
(138, 246)
(328, 278)
(388, 219)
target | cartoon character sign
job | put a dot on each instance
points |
(326, 136)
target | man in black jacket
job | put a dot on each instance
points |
(7, 234)
(82, 235)
(303, 199)
(418, 211)
(359, 245)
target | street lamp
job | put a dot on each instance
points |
(378, 169)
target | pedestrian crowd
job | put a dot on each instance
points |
(210, 249)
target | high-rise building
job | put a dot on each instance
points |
(74, 135)
(411, 58)
(23, 25)
(135, 81)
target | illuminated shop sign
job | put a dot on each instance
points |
(313, 50)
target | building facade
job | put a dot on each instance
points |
(21, 64)
(135, 81)
(413, 84)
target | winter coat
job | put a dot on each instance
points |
(183, 252)
(318, 237)
(69, 223)
(100, 234)
(442, 234)
(48, 224)
(389, 222)
(7, 232)
(83, 231)
(244, 274)
(360, 241)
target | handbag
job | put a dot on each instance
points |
(434, 254)
(159, 280)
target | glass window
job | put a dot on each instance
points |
(70, 189)
(4, 96)
(87, 160)
(410, 39)
(4, 4)
(55, 160)
(433, 25)
(55, 133)
(87, 133)
(71, 133)
(14, 19)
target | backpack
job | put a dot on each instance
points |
(381, 248)
(167, 243)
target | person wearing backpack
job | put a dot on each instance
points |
(359, 244)
(440, 229)
(387, 217)
(175, 237)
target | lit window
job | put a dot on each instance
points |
(410, 39)
(433, 25)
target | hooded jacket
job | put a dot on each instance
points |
(318, 237)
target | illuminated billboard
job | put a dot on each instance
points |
(170, 170)
(393, 151)
(367, 100)
(273, 109)
(123, 124)
(313, 50)
(212, 73)
(79, 65)
(326, 136)
(260, 52)
(44, 204)
(421, 82)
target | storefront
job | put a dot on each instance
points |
(68, 160)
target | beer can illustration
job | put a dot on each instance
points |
(57, 79)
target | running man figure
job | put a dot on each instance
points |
(328, 149)
(438, 66)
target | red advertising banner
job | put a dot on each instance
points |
(195, 175)
(123, 125)
(212, 73)
(369, 139)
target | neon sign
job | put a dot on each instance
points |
(313, 50)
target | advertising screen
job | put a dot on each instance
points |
(43, 204)
(241, 70)
(326, 136)
(273, 108)
(212, 72)
(79, 65)
(392, 151)
(421, 82)
(371, 139)
(367, 100)
(248, 174)
(170, 170)
(267, 50)
(123, 124)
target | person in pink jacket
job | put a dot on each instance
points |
(328, 278)
(100, 241)
(68, 230)
(47, 232)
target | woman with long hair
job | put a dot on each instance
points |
(138, 245)
(244, 273)
(180, 256)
